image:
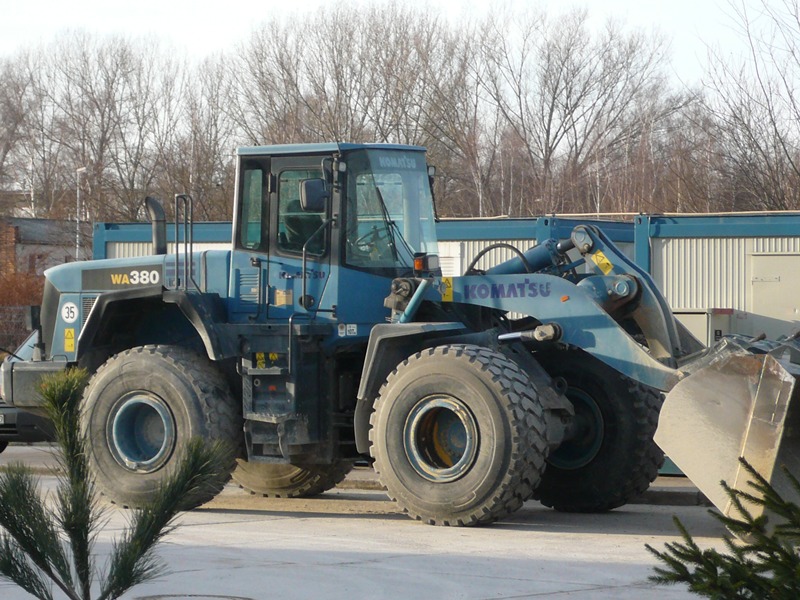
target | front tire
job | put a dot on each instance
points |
(142, 407)
(612, 457)
(289, 481)
(458, 436)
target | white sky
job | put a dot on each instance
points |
(203, 26)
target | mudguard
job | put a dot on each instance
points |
(388, 346)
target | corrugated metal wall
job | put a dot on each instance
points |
(470, 249)
(702, 272)
(781, 245)
(130, 249)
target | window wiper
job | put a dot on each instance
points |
(392, 226)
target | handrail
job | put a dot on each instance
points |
(187, 203)
(321, 228)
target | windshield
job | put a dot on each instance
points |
(389, 209)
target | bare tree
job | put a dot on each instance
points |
(265, 103)
(522, 113)
(462, 122)
(202, 161)
(149, 76)
(568, 95)
(13, 96)
(754, 102)
(40, 158)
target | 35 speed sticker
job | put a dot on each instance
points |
(69, 312)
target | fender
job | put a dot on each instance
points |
(100, 310)
(388, 346)
(202, 311)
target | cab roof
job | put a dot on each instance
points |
(320, 148)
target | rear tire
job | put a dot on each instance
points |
(273, 480)
(458, 436)
(613, 459)
(139, 411)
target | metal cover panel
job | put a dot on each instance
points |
(776, 293)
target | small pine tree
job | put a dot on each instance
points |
(39, 550)
(763, 563)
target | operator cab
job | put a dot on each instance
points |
(321, 230)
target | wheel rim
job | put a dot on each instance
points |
(585, 435)
(441, 438)
(141, 432)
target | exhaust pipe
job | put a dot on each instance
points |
(155, 213)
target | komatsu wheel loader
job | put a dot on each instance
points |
(327, 334)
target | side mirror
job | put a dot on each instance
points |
(33, 318)
(314, 195)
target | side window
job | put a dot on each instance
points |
(296, 226)
(251, 234)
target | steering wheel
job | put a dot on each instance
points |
(372, 239)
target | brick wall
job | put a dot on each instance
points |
(8, 248)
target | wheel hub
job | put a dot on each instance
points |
(441, 438)
(585, 436)
(141, 432)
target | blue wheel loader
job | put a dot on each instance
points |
(327, 335)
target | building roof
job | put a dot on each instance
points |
(48, 232)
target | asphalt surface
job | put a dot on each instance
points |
(664, 491)
(353, 543)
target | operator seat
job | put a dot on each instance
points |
(300, 226)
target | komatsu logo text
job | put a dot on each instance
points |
(526, 289)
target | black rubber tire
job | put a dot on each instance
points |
(625, 459)
(3, 446)
(195, 401)
(505, 462)
(289, 481)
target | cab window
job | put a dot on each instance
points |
(252, 224)
(296, 226)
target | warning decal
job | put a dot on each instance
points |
(602, 262)
(69, 340)
(447, 289)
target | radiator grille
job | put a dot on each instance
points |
(87, 302)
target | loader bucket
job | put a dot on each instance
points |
(736, 401)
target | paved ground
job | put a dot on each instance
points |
(352, 543)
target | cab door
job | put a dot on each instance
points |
(251, 245)
(292, 230)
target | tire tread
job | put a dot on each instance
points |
(529, 447)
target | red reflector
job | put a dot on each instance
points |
(419, 263)
(564, 298)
